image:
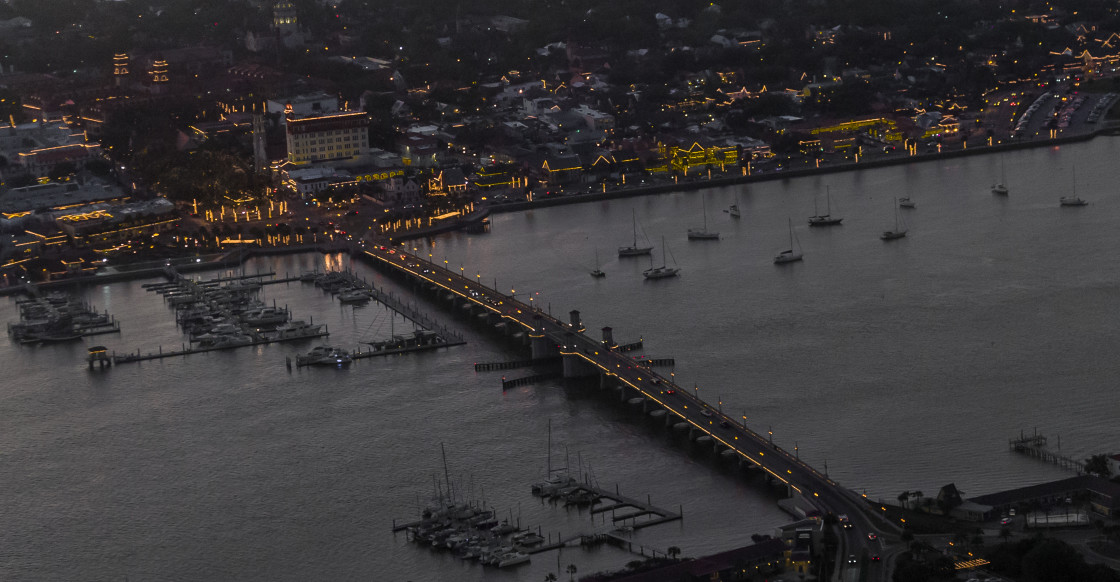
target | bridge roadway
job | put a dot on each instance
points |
(550, 336)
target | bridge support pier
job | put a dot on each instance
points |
(541, 346)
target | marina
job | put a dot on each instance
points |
(59, 317)
(940, 311)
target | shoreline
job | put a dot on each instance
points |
(235, 258)
(1112, 129)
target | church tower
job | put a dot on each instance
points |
(120, 69)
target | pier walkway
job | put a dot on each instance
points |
(585, 356)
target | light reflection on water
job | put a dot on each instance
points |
(902, 366)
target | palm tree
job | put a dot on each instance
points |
(673, 552)
(917, 495)
(902, 497)
(571, 572)
(550, 577)
(1005, 533)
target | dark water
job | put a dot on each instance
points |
(902, 365)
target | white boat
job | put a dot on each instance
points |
(512, 559)
(826, 219)
(324, 356)
(634, 250)
(1000, 189)
(703, 233)
(905, 202)
(733, 211)
(297, 328)
(793, 253)
(265, 316)
(354, 296)
(662, 272)
(899, 231)
(226, 341)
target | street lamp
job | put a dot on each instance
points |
(771, 434)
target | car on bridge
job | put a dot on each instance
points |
(872, 537)
(706, 412)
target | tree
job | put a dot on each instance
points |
(62, 170)
(902, 498)
(907, 537)
(571, 572)
(1098, 465)
(1004, 533)
(673, 552)
(550, 577)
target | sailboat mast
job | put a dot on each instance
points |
(446, 475)
(634, 219)
(549, 463)
(789, 221)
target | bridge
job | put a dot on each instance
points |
(583, 356)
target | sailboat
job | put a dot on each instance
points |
(1001, 188)
(1073, 200)
(663, 271)
(597, 273)
(826, 219)
(634, 250)
(793, 254)
(733, 211)
(899, 231)
(905, 202)
(704, 233)
(555, 480)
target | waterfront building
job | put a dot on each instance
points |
(339, 136)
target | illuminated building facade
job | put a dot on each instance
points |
(120, 69)
(682, 159)
(339, 136)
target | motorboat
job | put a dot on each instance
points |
(325, 356)
(356, 295)
(905, 202)
(222, 342)
(297, 328)
(512, 559)
(1072, 201)
(265, 316)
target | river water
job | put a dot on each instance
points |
(899, 365)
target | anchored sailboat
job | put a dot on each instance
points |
(793, 254)
(703, 233)
(1074, 199)
(663, 271)
(1001, 188)
(826, 219)
(598, 272)
(899, 231)
(634, 250)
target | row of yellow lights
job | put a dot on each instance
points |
(404, 257)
